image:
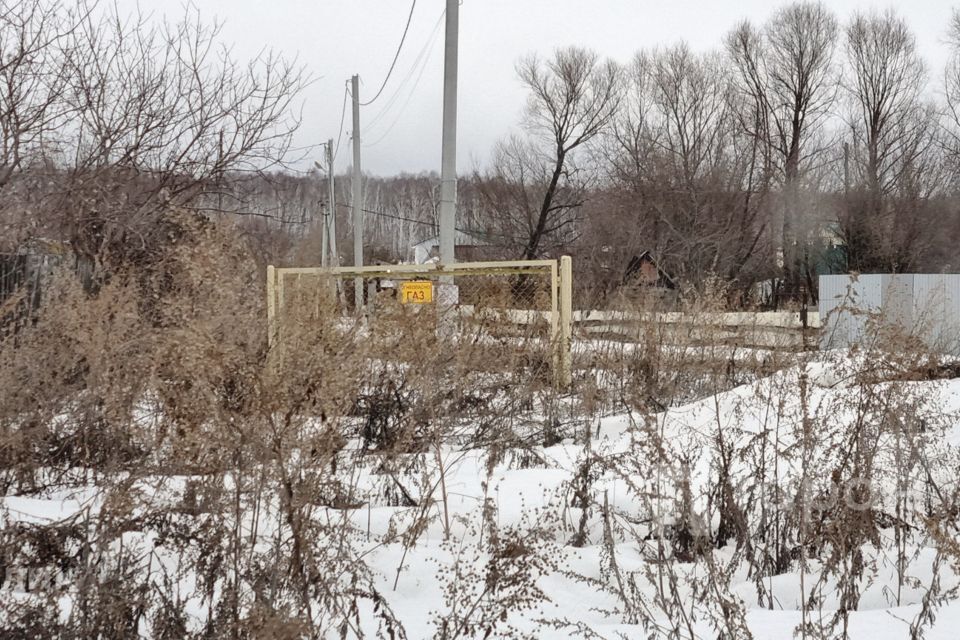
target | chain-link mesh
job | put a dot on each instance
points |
(498, 322)
(473, 353)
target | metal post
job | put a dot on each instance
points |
(448, 295)
(357, 193)
(555, 289)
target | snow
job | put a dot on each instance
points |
(576, 586)
(56, 506)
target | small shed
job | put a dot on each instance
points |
(644, 271)
(645, 282)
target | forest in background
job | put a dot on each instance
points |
(810, 143)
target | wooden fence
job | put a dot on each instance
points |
(760, 330)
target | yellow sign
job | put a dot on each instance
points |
(416, 292)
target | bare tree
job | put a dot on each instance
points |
(514, 191)
(573, 97)
(114, 120)
(952, 94)
(888, 76)
(786, 74)
(163, 116)
(32, 110)
(684, 185)
(895, 134)
(31, 81)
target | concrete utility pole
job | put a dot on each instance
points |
(324, 229)
(448, 162)
(331, 219)
(357, 193)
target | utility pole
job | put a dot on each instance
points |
(448, 295)
(357, 193)
(846, 169)
(448, 162)
(331, 220)
(846, 194)
(324, 228)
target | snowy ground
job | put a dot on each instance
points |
(553, 589)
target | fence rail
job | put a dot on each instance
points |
(483, 297)
(764, 330)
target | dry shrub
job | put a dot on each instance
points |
(493, 580)
(218, 472)
(163, 372)
(835, 471)
(100, 379)
(72, 381)
(215, 454)
(645, 354)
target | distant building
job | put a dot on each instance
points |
(644, 277)
(468, 247)
(644, 271)
(829, 254)
(824, 250)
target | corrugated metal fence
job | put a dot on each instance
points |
(926, 306)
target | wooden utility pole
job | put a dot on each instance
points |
(846, 169)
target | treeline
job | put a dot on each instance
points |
(805, 144)
(809, 143)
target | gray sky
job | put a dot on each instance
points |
(337, 38)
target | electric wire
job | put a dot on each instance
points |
(418, 65)
(395, 57)
(406, 103)
(393, 216)
(427, 223)
(343, 115)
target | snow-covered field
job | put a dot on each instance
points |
(667, 525)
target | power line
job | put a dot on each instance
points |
(434, 225)
(395, 57)
(413, 90)
(343, 114)
(419, 64)
(384, 214)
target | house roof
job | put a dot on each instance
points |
(462, 239)
(663, 278)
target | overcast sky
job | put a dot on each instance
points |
(336, 38)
